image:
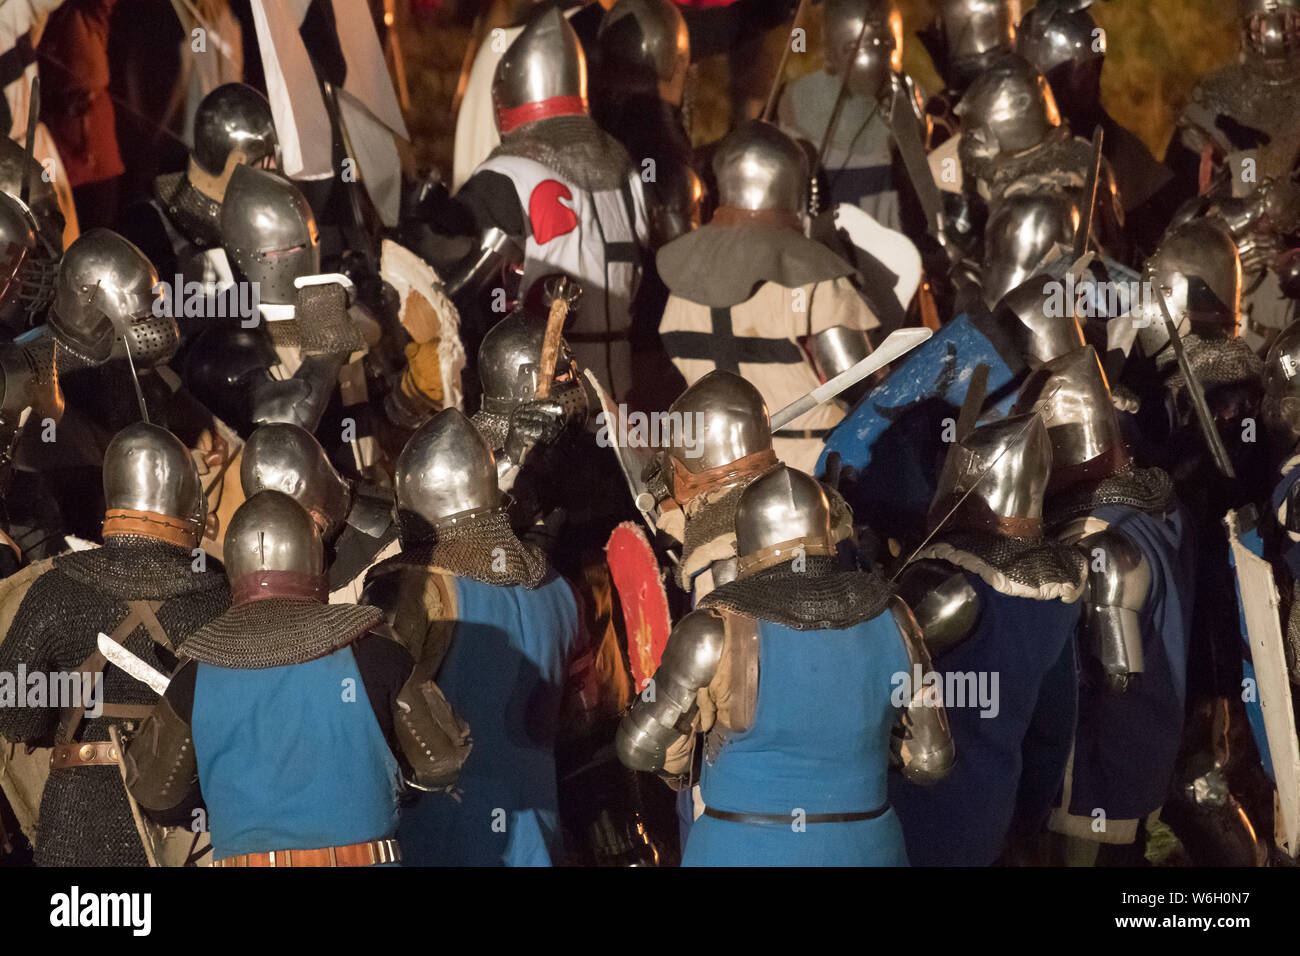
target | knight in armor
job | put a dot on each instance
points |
(1236, 146)
(105, 333)
(640, 70)
(298, 720)
(733, 447)
(534, 440)
(1197, 271)
(749, 289)
(1063, 42)
(639, 78)
(558, 195)
(179, 226)
(1020, 160)
(483, 614)
(792, 669)
(354, 517)
(1136, 621)
(148, 588)
(994, 595)
(283, 363)
(511, 418)
(863, 43)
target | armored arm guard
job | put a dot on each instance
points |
(1119, 580)
(300, 400)
(690, 661)
(328, 337)
(495, 248)
(838, 349)
(943, 601)
(433, 739)
(161, 769)
(924, 744)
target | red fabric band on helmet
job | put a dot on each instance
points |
(542, 109)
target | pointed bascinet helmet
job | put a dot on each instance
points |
(285, 457)
(152, 486)
(1008, 464)
(1072, 395)
(269, 232)
(542, 74)
(781, 516)
(271, 534)
(866, 37)
(445, 475)
(758, 167)
(233, 117)
(644, 44)
(104, 301)
(728, 418)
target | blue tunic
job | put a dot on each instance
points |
(1126, 744)
(505, 675)
(292, 757)
(1010, 764)
(819, 742)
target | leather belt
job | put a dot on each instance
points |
(83, 755)
(370, 853)
(786, 818)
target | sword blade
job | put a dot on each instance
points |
(120, 657)
(899, 343)
(632, 461)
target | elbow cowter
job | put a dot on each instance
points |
(666, 708)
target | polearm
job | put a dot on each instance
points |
(1084, 233)
(1204, 418)
(33, 117)
(799, 16)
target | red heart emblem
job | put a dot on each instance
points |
(548, 213)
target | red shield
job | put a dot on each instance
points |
(640, 586)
